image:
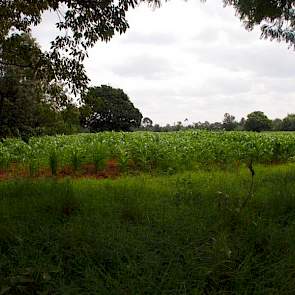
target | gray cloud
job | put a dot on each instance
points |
(263, 61)
(144, 66)
(150, 39)
(208, 35)
(226, 86)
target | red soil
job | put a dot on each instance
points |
(86, 171)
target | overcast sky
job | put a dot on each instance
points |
(192, 60)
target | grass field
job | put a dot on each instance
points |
(187, 233)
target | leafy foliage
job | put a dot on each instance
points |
(229, 122)
(81, 25)
(288, 123)
(147, 151)
(107, 108)
(257, 121)
(277, 17)
(31, 103)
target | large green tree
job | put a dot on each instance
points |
(107, 108)
(229, 122)
(31, 103)
(257, 121)
(288, 123)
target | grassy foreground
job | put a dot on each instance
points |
(182, 234)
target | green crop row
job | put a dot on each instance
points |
(147, 151)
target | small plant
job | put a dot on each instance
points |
(76, 159)
(53, 160)
(123, 160)
(33, 167)
(100, 155)
(4, 158)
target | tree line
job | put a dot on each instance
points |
(256, 121)
(34, 104)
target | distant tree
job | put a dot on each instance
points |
(71, 118)
(167, 128)
(147, 122)
(216, 126)
(178, 126)
(156, 128)
(242, 122)
(277, 125)
(107, 108)
(229, 122)
(288, 123)
(257, 121)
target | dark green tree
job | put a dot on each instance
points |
(288, 123)
(277, 124)
(229, 122)
(30, 101)
(257, 121)
(107, 108)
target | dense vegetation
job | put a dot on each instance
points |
(144, 151)
(255, 121)
(182, 234)
(217, 219)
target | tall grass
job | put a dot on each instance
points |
(76, 159)
(180, 234)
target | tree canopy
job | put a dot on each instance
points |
(288, 123)
(31, 103)
(81, 23)
(277, 17)
(229, 123)
(257, 121)
(107, 108)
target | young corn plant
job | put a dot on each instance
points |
(76, 159)
(123, 160)
(33, 167)
(100, 156)
(4, 158)
(32, 161)
(53, 161)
